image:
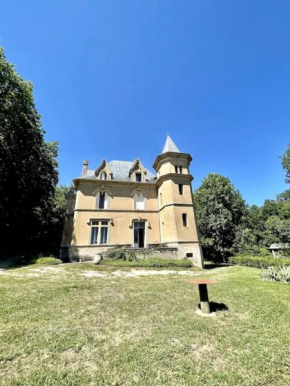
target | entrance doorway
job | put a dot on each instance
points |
(139, 234)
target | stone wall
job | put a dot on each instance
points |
(87, 253)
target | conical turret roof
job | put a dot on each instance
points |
(170, 146)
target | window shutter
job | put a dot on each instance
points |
(139, 201)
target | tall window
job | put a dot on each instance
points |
(99, 231)
(180, 189)
(139, 201)
(138, 177)
(102, 200)
(178, 169)
(103, 176)
(184, 219)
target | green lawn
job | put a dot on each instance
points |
(84, 325)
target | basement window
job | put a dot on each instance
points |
(184, 219)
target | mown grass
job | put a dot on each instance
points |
(64, 326)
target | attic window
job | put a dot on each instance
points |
(138, 177)
(103, 176)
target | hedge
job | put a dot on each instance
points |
(150, 262)
(259, 262)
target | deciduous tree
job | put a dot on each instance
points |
(220, 213)
(28, 166)
(286, 163)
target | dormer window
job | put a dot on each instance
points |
(103, 176)
(138, 177)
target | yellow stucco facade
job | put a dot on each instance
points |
(122, 204)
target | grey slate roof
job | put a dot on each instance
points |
(170, 146)
(120, 170)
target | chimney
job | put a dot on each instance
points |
(85, 168)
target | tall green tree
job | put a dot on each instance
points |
(220, 213)
(286, 163)
(53, 222)
(28, 166)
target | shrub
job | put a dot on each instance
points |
(48, 261)
(255, 250)
(150, 262)
(281, 274)
(121, 254)
(259, 262)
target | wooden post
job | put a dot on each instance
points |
(203, 295)
(204, 302)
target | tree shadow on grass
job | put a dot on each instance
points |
(13, 262)
(214, 307)
(213, 265)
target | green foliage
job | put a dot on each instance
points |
(277, 230)
(265, 225)
(121, 254)
(52, 224)
(281, 274)
(28, 166)
(284, 196)
(220, 213)
(259, 261)
(150, 262)
(48, 261)
(286, 163)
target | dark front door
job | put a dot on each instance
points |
(139, 234)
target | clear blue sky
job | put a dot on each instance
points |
(112, 77)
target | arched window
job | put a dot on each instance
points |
(103, 176)
(102, 200)
(139, 201)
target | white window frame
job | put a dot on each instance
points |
(103, 174)
(99, 226)
(139, 174)
(98, 201)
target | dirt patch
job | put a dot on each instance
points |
(137, 273)
(93, 274)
